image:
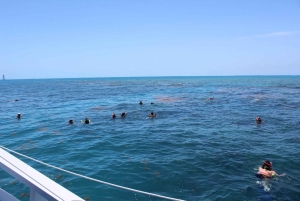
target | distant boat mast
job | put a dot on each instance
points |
(3, 77)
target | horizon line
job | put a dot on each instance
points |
(154, 77)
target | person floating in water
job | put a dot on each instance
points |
(258, 120)
(141, 103)
(152, 115)
(19, 115)
(266, 171)
(87, 121)
(152, 103)
(123, 114)
(71, 121)
(113, 115)
(211, 98)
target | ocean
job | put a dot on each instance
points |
(194, 149)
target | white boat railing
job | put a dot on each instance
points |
(6, 196)
(82, 176)
(41, 187)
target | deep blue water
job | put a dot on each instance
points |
(195, 149)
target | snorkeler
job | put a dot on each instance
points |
(123, 114)
(141, 103)
(152, 114)
(71, 121)
(258, 120)
(19, 115)
(113, 115)
(266, 171)
(87, 121)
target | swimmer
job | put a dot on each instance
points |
(71, 121)
(19, 116)
(258, 120)
(123, 114)
(141, 103)
(87, 121)
(211, 98)
(266, 171)
(152, 115)
(113, 115)
(152, 103)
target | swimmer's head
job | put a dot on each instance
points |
(141, 102)
(71, 121)
(258, 119)
(19, 115)
(267, 165)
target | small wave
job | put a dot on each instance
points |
(255, 100)
(97, 108)
(167, 99)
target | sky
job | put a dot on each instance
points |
(130, 38)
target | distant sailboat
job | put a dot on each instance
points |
(3, 77)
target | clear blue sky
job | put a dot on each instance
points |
(109, 38)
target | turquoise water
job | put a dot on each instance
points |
(195, 149)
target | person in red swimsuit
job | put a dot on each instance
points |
(266, 171)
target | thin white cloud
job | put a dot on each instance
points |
(274, 34)
(282, 33)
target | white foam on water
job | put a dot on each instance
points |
(265, 184)
(255, 100)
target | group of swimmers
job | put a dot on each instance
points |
(113, 115)
(123, 114)
(87, 120)
(141, 103)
